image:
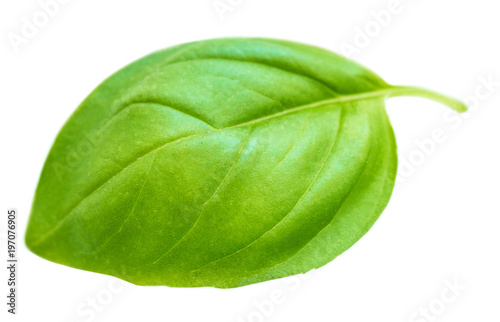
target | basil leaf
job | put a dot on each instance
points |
(219, 163)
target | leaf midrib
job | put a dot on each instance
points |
(339, 99)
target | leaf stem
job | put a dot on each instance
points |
(451, 102)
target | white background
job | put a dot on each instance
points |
(441, 225)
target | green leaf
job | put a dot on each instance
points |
(219, 163)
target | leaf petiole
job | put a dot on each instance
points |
(451, 102)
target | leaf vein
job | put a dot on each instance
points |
(324, 227)
(209, 199)
(330, 150)
(133, 208)
(166, 105)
